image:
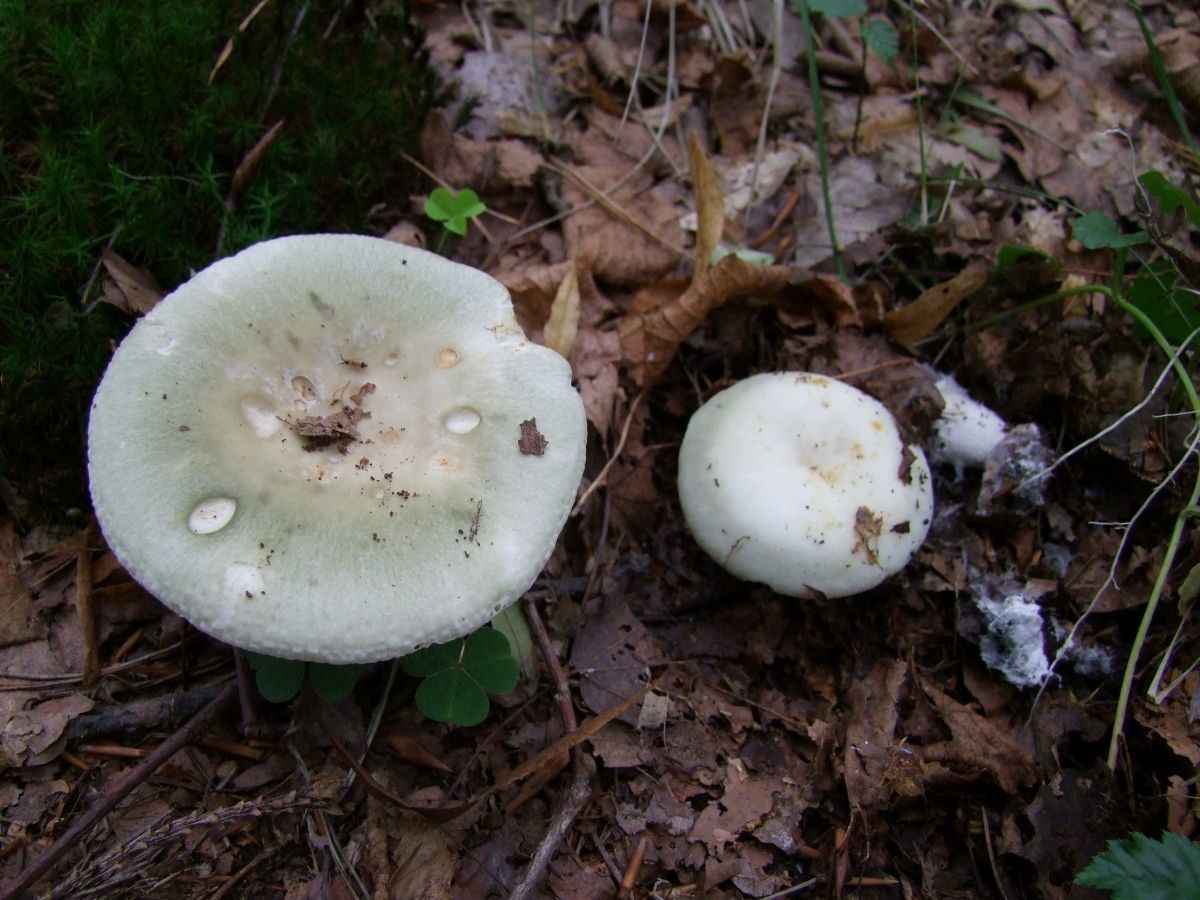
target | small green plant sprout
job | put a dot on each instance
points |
(279, 680)
(453, 211)
(1142, 868)
(458, 676)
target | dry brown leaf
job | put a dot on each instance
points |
(408, 855)
(34, 736)
(131, 289)
(650, 338)
(253, 159)
(484, 166)
(710, 207)
(870, 744)
(561, 327)
(979, 744)
(410, 751)
(921, 318)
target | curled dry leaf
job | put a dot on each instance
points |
(649, 338)
(920, 318)
(563, 323)
(710, 207)
(129, 288)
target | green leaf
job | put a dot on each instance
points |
(278, 680)
(453, 210)
(837, 9)
(1097, 231)
(434, 658)
(1142, 868)
(1169, 304)
(511, 623)
(460, 674)
(452, 696)
(488, 659)
(1010, 254)
(881, 39)
(981, 143)
(334, 683)
(1169, 197)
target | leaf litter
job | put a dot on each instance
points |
(876, 746)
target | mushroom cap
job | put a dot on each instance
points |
(334, 448)
(803, 483)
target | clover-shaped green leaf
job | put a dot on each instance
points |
(279, 680)
(459, 675)
(453, 210)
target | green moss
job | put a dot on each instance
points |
(111, 132)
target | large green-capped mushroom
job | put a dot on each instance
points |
(334, 448)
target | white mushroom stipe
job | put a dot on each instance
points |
(967, 431)
(212, 515)
(353, 396)
(803, 483)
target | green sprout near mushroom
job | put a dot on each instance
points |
(454, 211)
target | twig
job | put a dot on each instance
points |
(573, 801)
(246, 702)
(580, 789)
(599, 479)
(562, 690)
(225, 889)
(115, 793)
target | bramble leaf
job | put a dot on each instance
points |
(881, 39)
(837, 9)
(1142, 868)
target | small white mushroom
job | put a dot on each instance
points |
(351, 450)
(803, 483)
(967, 431)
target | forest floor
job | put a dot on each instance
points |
(953, 733)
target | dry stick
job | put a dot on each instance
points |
(580, 790)
(114, 794)
(599, 480)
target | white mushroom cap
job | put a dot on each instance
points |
(335, 448)
(803, 483)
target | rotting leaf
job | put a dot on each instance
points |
(649, 339)
(531, 442)
(920, 318)
(342, 426)
(563, 324)
(979, 744)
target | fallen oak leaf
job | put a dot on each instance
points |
(710, 207)
(649, 338)
(918, 319)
